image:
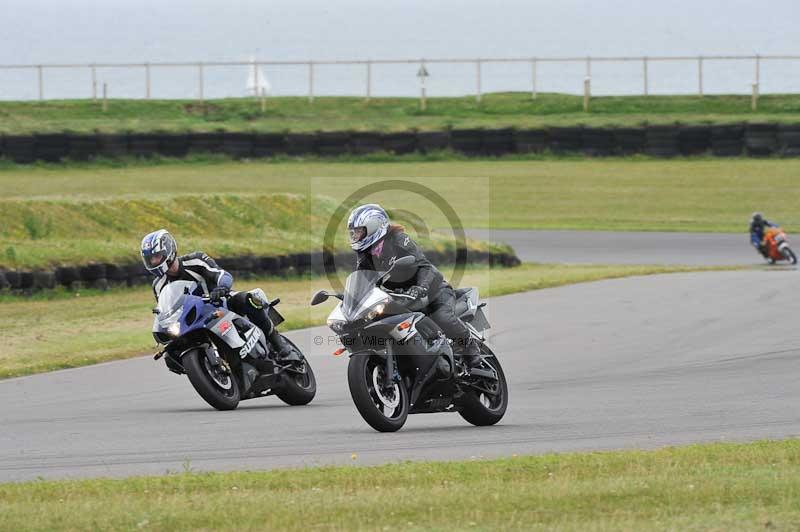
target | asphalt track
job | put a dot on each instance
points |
(604, 247)
(628, 363)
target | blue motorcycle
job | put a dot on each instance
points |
(226, 357)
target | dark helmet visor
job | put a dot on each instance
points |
(156, 259)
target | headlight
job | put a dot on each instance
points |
(375, 312)
(336, 325)
(174, 330)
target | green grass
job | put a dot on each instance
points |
(49, 214)
(45, 332)
(716, 486)
(387, 114)
(46, 233)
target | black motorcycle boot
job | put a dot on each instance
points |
(443, 369)
(283, 349)
(470, 355)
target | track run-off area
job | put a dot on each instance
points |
(628, 363)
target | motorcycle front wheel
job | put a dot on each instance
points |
(789, 254)
(298, 384)
(479, 406)
(384, 408)
(214, 384)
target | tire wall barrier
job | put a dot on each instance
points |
(107, 275)
(729, 140)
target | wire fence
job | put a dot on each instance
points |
(740, 74)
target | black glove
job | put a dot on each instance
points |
(218, 293)
(417, 292)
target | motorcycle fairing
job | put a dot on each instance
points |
(225, 330)
(400, 327)
(255, 344)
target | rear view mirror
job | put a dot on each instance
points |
(402, 270)
(404, 262)
(319, 297)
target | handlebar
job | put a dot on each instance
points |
(409, 301)
(207, 299)
(398, 292)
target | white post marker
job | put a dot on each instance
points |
(310, 82)
(758, 69)
(587, 93)
(700, 75)
(147, 80)
(478, 80)
(533, 79)
(369, 80)
(41, 82)
(200, 81)
(105, 97)
(646, 84)
(754, 98)
(94, 84)
(422, 74)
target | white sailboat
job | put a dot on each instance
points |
(257, 82)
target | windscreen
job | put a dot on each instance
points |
(170, 301)
(357, 288)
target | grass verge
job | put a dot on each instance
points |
(616, 194)
(46, 233)
(59, 330)
(719, 486)
(387, 114)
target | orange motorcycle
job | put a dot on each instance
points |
(778, 246)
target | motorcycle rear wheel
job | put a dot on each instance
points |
(384, 408)
(482, 409)
(297, 388)
(220, 393)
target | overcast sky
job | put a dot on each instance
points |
(119, 30)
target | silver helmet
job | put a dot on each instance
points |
(367, 225)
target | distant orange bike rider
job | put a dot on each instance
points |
(758, 227)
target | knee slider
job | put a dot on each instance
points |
(257, 298)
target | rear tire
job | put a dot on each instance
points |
(384, 409)
(197, 369)
(297, 389)
(482, 409)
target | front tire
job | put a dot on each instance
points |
(789, 254)
(384, 408)
(299, 387)
(480, 408)
(219, 389)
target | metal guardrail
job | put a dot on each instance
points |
(200, 66)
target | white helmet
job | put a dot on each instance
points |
(367, 224)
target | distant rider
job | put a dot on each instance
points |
(379, 243)
(758, 227)
(159, 254)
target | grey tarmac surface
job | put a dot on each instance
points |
(603, 247)
(628, 363)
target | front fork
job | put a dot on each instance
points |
(391, 375)
(233, 367)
